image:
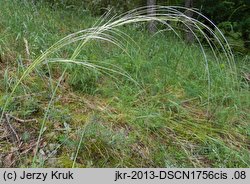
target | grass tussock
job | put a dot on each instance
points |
(113, 95)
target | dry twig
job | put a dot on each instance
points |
(11, 129)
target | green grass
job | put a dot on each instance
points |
(97, 120)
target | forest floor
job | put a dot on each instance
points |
(164, 117)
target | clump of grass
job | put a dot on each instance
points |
(158, 111)
(107, 32)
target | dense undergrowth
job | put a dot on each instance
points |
(160, 113)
